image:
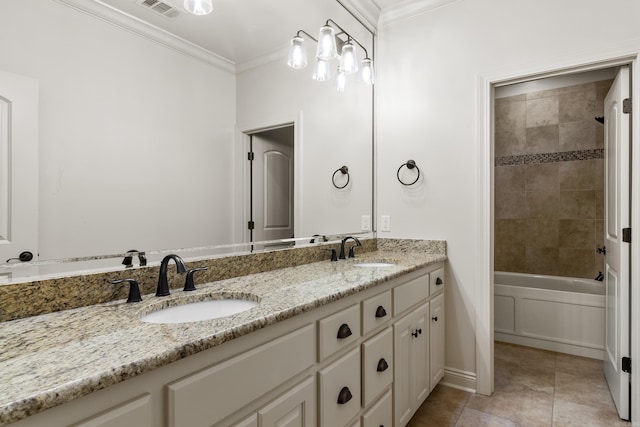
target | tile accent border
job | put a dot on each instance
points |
(566, 156)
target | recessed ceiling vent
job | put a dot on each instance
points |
(160, 7)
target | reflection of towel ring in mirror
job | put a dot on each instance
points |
(345, 171)
(411, 164)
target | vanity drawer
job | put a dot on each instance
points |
(377, 365)
(436, 281)
(338, 331)
(380, 414)
(339, 390)
(410, 293)
(208, 396)
(375, 311)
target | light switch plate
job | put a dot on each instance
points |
(385, 223)
(366, 223)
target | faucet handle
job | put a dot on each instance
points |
(134, 289)
(334, 254)
(351, 254)
(189, 284)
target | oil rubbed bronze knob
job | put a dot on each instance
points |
(382, 365)
(435, 318)
(344, 331)
(380, 312)
(438, 281)
(344, 396)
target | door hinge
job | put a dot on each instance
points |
(251, 225)
(626, 106)
(626, 364)
(250, 156)
(626, 235)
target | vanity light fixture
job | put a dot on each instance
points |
(329, 44)
(198, 7)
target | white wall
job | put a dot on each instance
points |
(428, 72)
(336, 131)
(136, 139)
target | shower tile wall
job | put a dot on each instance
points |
(549, 181)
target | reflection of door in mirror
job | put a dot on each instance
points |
(271, 185)
(18, 165)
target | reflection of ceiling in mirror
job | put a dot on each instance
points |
(239, 30)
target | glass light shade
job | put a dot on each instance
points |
(341, 81)
(198, 7)
(326, 44)
(297, 54)
(367, 71)
(348, 59)
(322, 71)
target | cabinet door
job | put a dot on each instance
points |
(420, 354)
(411, 363)
(295, 408)
(436, 348)
(402, 341)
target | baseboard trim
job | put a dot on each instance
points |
(550, 345)
(459, 379)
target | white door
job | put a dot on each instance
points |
(617, 256)
(272, 186)
(18, 165)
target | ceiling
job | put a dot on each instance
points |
(241, 30)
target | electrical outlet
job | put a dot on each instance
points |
(385, 223)
(366, 223)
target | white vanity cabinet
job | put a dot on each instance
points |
(369, 359)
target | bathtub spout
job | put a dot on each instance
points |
(600, 276)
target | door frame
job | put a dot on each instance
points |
(486, 83)
(241, 171)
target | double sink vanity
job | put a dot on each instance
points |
(358, 342)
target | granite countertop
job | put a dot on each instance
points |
(50, 359)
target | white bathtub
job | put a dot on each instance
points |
(555, 313)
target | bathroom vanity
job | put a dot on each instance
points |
(329, 344)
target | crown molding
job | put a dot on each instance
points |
(409, 8)
(279, 54)
(366, 11)
(111, 15)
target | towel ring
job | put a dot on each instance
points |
(345, 171)
(411, 164)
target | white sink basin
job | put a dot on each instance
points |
(373, 264)
(197, 311)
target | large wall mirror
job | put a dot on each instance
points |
(142, 141)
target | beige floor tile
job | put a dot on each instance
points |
(525, 407)
(517, 376)
(523, 355)
(570, 414)
(578, 365)
(442, 408)
(532, 388)
(583, 389)
(472, 418)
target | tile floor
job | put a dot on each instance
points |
(532, 388)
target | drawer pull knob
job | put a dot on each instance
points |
(435, 318)
(380, 311)
(416, 333)
(438, 281)
(344, 331)
(382, 365)
(344, 396)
